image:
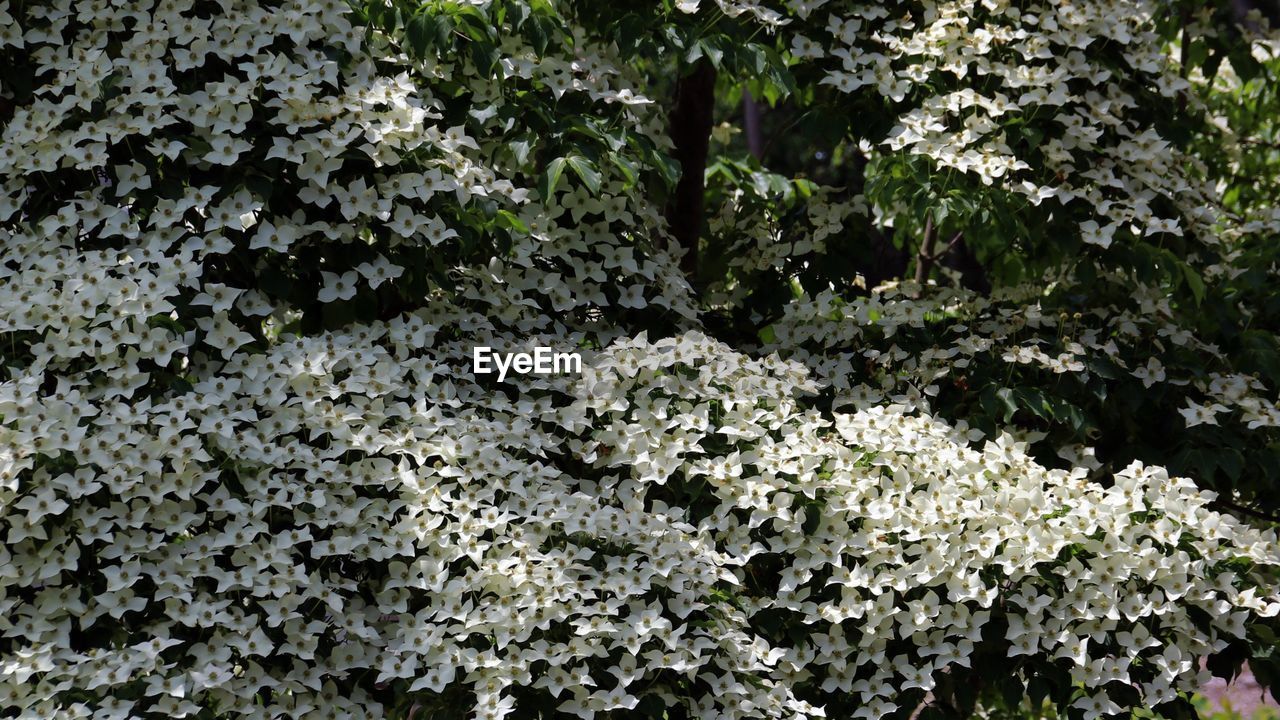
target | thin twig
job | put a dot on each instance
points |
(950, 246)
(1221, 504)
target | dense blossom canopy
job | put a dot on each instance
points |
(246, 249)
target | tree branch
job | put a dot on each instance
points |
(925, 257)
(950, 245)
(1227, 505)
(960, 258)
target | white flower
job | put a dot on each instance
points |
(223, 334)
(273, 238)
(1151, 374)
(1198, 414)
(1093, 234)
(1097, 705)
(379, 271)
(338, 287)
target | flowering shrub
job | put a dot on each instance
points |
(1120, 251)
(247, 249)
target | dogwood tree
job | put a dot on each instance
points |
(952, 383)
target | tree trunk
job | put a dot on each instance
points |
(751, 125)
(925, 257)
(691, 121)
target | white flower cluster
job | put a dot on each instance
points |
(1044, 67)
(893, 519)
(841, 339)
(209, 506)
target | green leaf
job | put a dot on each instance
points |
(1265, 634)
(550, 178)
(508, 220)
(709, 50)
(651, 706)
(485, 56)
(1227, 663)
(1037, 690)
(520, 148)
(1194, 282)
(541, 30)
(274, 282)
(338, 314)
(779, 73)
(1231, 462)
(627, 167)
(1036, 402)
(1104, 367)
(1012, 690)
(754, 58)
(444, 31)
(519, 12)
(420, 34)
(585, 126)
(1196, 462)
(999, 403)
(474, 17)
(668, 167)
(586, 170)
(1072, 414)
